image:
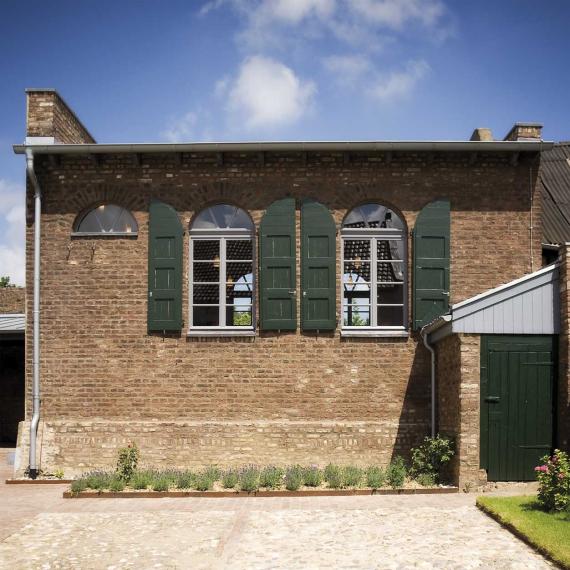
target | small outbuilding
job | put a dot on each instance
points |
(497, 367)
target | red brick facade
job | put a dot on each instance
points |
(276, 397)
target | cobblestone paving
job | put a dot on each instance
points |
(341, 532)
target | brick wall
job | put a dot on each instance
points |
(458, 404)
(49, 116)
(360, 397)
(12, 300)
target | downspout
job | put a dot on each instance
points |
(36, 315)
(424, 334)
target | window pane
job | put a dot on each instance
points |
(239, 293)
(356, 249)
(356, 275)
(356, 315)
(372, 216)
(206, 316)
(207, 249)
(222, 216)
(236, 271)
(239, 249)
(390, 316)
(239, 316)
(108, 218)
(390, 295)
(389, 272)
(205, 294)
(205, 272)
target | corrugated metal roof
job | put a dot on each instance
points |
(555, 190)
(12, 323)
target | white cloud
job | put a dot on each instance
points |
(348, 68)
(182, 129)
(267, 93)
(398, 85)
(12, 231)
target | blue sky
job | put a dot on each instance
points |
(149, 70)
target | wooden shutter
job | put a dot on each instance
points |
(164, 268)
(277, 268)
(318, 267)
(431, 262)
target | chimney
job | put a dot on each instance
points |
(482, 134)
(49, 120)
(525, 132)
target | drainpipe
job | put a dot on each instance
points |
(36, 315)
(424, 334)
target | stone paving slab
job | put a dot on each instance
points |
(389, 537)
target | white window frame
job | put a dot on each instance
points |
(374, 235)
(223, 235)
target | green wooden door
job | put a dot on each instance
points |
(318, 267)
(277, 274)
(517, 386)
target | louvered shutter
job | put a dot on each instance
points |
(318, 267)
(164, 268)
(277, 276)
(431, 262)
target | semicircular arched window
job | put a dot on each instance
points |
(221, 270)
(374, 269)
(107, 219)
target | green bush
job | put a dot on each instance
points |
(431, 456)
(185, 480)
(213, 472)
(426, 479)
(352, 476)
(98, 480)
(396, 473)
(160, 483)
(117, 485)
(141, 479)
(375, 477)
(204, 481)
(249, 479)
(293, 478)
(128, 461)
(334, 476)
(554, 481)
(230, 479)
(78, 486)
(312, 476)
(271, 477)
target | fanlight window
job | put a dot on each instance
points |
(374, 268)
(221, 269)
(107, 219)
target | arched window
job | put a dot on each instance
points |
(221, 269)
(374, 269)
(107, 219)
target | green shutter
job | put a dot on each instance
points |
(277, 276)
(164, 268)
(431, 262)
(318, 267)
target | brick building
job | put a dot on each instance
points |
(257, 302)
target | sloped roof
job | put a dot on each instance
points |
(555, 190)
(12, 323)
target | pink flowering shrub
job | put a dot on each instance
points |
(554, 481)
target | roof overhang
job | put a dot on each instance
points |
(12, 325)
(529, 305)
(300, 146)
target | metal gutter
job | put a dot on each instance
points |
(300, 146)
(36, 314)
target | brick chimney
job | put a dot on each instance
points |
(482, 134)
(525, 132)
(49, 120)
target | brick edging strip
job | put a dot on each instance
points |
(38, 481)
(236, 494)
(520, 535)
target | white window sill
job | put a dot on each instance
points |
(374, 333)
(219, 332)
